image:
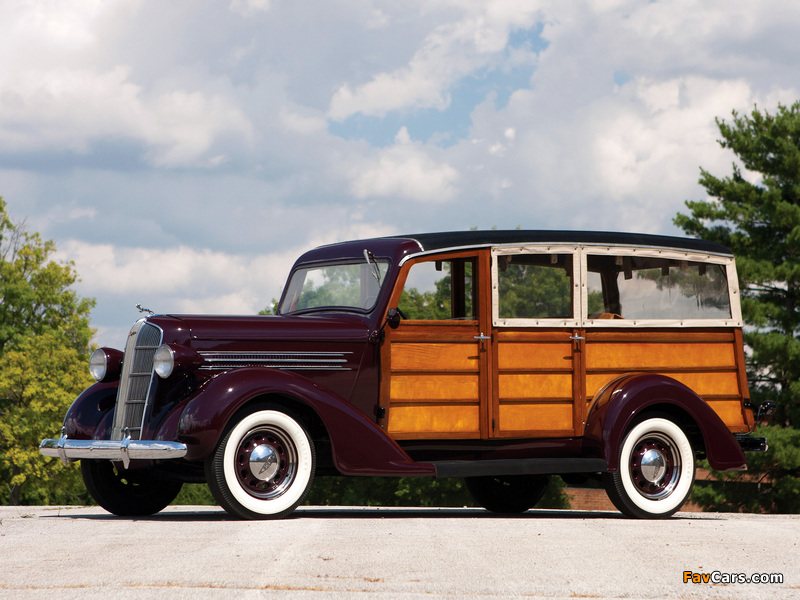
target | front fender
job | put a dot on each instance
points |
(620, 402)
(89, 410)
(359, 446)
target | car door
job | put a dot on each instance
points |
(435, 366)
(538, 385)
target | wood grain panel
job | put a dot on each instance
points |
(703, 384)
(730, 411)
(535, 385)
(542, 417)
(680, 336)
(516, 355)
(426, 388)
(632, 357)
(447, 419)
(533, 335)
(434, 357)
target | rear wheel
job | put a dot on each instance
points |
(508, 494)
(263, 466)
(656, 470)
(128, 493)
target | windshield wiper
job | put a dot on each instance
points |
(376, 270)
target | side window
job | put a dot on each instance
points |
(439, 290)
(641, 287)
(535, 286)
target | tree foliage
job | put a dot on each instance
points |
(44, 339)
(755, 211)
(39, 379)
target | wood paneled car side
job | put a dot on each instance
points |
(499, 356)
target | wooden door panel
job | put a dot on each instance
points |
(535, 386)
(434, 387)
(446, 357)
(535, 419)
(535, 383)
(434, 420)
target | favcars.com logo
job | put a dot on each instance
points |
(719, 577)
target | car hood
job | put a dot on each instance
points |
(322, 327)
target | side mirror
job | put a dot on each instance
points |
(393, 318)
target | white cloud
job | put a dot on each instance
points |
(70, 109)
(184, 155)
(300, 123)
(663, 133)
(107, 268)
(248, 8)
(449, 52)
(405, 170)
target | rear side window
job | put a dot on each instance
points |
(643, 288)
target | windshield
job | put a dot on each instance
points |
(343, 286)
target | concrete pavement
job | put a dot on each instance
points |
(397, 553)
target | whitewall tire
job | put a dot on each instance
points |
(263, 467)
(656, 470)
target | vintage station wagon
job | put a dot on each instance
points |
(498, 356)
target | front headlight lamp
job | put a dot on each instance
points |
(98, 365)
(105, 364)
(164, 361)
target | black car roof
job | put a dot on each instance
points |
(462, 239)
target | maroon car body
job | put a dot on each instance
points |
(486, 379)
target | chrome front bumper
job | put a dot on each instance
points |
(124, 450)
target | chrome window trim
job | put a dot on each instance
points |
(577, 299)
(580, 303)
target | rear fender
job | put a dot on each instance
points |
(627, 398)
(359, 446)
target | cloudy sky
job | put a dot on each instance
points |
(183, 152)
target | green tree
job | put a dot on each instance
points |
(39, 379)
(755, 211)
(44, 339)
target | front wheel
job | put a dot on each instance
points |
(263, 466)
(510, 494)
(656, 470)
(127, 493)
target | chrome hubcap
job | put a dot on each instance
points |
(264, 462)
(653, 465)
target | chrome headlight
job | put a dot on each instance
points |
(164, 361)
(98, 365)
(104, 364)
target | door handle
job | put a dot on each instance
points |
(482, 337)
(576, 337)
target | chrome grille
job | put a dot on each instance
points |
(135, 380)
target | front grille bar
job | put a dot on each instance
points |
(136, 380)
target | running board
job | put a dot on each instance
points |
(523, 466)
